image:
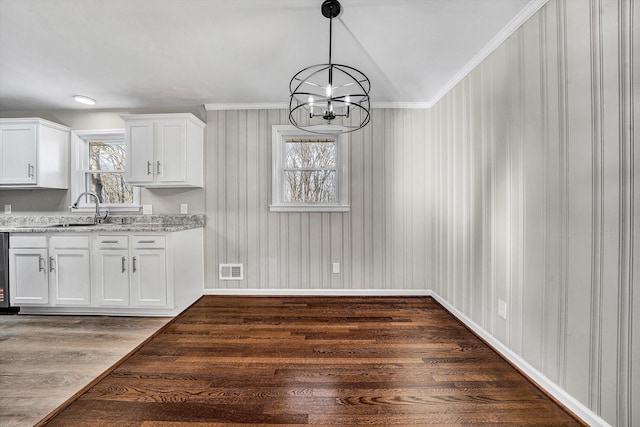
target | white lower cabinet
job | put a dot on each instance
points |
(131, 270)
(28, 277)
(70, 276)
(122, 273)
(148, 278)
(49, 271)
(111, 277)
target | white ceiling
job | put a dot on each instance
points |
(149, 53)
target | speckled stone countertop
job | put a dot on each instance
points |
(84, 223)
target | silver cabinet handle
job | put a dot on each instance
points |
(158, 169)
(40, 266)
(30, 170)
(124, 260)
(146, 241)
(148, 168)
(134, 264)
(109, 241)
(52, 266)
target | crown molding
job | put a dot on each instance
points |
(247, 106)
(409, 105)
(494, 43)
(284, 106)
(513, 25)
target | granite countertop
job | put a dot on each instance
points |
(84, 223)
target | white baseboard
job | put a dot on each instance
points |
(318, 292)
(584, 413)
(579, 409)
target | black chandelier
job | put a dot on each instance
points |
(326, 92)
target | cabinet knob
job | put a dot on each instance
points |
(30, 170)
(124, 261)
(40, 266)
(52, 265)
(148, 168)
(134, 264)
(158, 169)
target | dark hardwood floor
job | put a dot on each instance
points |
(338, 361)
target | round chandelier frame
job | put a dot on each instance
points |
(325, 92)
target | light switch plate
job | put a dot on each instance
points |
(147, 209)
(7, 209)
(183, 208)
(335, 268)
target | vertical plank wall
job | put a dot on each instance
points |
(536, 192)
(380, 244)
(519, 185)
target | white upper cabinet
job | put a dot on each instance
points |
(34, 153)
(139, 148)
(164, 150)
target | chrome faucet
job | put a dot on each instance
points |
(97, 219)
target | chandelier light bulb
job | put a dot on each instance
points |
(328, 91)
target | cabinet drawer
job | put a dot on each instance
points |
(149, 242)
(69, 242)
(111, 242)
(27, 241)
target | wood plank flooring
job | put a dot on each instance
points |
(45, 360)
(325, 361)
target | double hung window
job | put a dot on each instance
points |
(99, 168)
(309, 171)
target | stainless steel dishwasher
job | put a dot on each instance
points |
(5, 307)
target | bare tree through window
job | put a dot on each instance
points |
(310, 170)
(106, 173)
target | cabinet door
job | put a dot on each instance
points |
(111, 277)
(70, 276)
(18, 154)
(171, 151)
(139, 161)
(28, 278)
(149, 277)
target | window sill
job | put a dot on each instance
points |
(309, 208)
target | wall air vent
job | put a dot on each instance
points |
(231, 272)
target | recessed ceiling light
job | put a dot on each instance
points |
(84, 99)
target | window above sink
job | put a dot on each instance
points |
(98, 167)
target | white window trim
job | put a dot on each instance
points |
(79, 165)
(279, 135)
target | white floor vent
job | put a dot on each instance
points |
(231, 272)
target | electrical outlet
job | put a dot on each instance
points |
(147, 209)
(183, 208)
(7, 209)
(335, 268)
(502, 309)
